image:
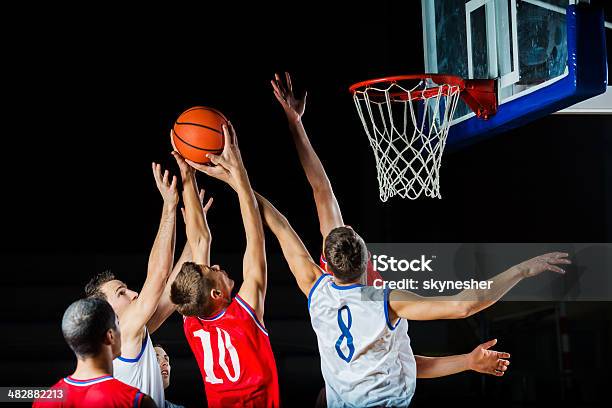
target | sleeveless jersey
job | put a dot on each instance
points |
(366, 360)
(235, 358)
(142, 372)
(102, 392)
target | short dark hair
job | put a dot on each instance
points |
(346, 254)
(92, 289)
(190, 291)
(85, 324)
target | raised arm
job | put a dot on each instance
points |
(196, 225)
(165, 307)
(142, 309)
(229, 168)
(328, 209)
(481, 360)
(301, 264)
(411, 306)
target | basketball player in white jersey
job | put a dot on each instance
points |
(377, 369)
(140, 314)
(481, 359)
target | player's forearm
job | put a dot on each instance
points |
(185, 256)
(408, 305)
(271, 216)
(315, 172)
(472, 301)
(197, 230)
(253, 227)
(162, 253)
(165, 307)
(433, 367)
(300, 263)
(290, 243)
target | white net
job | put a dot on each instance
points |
(407, 128)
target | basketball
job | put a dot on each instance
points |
(197, 132)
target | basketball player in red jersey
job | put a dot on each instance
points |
(225, 333)
(91, 330)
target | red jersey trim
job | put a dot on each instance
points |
(251, 312)
(138, 399)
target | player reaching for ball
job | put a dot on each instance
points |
(226, 333)
(366, 356)
(330, 217)
(140, 314)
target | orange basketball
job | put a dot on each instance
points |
(197, 132)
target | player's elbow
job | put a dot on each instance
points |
(202, 237)
(279, 224)
(322, 188)
(202, 242)
(461, 309)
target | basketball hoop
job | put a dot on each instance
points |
(407, 119)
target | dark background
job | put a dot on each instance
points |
(90, 96)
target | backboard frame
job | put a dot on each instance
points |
(584, 76)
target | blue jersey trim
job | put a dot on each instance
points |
(386, 300)
(347, 287)
(137, 399)
(215, 317)
(135, 360)
(315, 286)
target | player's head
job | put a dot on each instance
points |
(201, 290)
(91, 329)
(164, 364)
(105, 286)
(346, 254)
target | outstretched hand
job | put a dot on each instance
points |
(228, 166)
(165, 185)
(486, 361)
(546, 262)
(186, 170)
(293, 107)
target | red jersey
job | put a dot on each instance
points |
(102, 392)
(235, 358)
(371, 273)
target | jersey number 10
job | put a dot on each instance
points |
(223, 343)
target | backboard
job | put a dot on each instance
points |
(546, 55)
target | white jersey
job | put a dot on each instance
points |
(142, 372)
(365, 359)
